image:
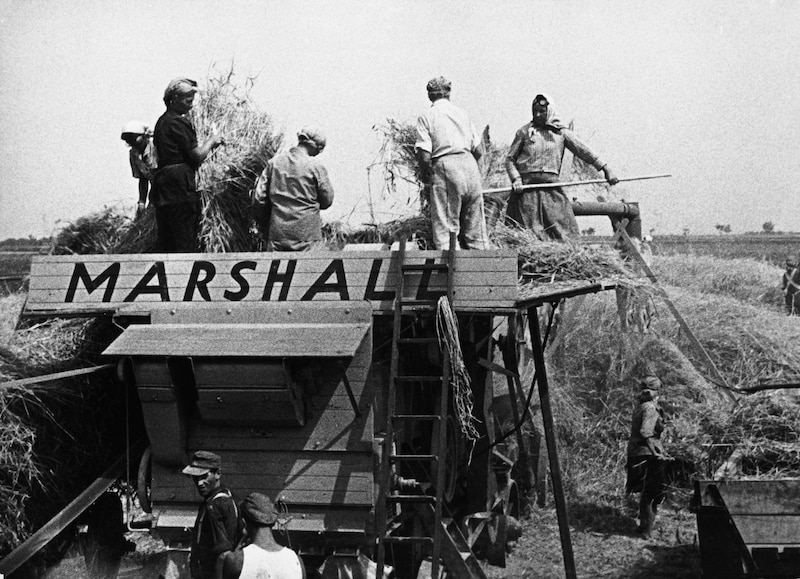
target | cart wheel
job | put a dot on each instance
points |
(144, 481)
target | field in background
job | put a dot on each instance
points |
(775, 248)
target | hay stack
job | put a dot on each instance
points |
(55, 437)
(224, 181)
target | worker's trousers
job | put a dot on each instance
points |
(457, 202)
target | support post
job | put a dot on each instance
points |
(552, 450)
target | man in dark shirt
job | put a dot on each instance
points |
(174, 191)
(217, 526)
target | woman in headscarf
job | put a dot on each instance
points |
(174, 192)
(535, 157)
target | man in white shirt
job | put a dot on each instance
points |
(448, 149)
(262, 557)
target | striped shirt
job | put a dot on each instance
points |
(541, 150)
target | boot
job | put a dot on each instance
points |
(647, 517)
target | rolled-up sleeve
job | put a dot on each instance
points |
(423, 142)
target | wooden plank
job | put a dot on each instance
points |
(72, 283)
(762, 530)
(757, 497)
(265, 340)
(314, 478)
(241, 373)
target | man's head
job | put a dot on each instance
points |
(313, 139)
(258, 510)
(135, 133)
(205, 468)
(540, 109)
(651, 383)
(179, 94)
(438, 88)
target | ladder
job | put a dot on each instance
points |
(445, 544)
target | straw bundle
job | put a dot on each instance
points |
(226, 178)
(224, 182)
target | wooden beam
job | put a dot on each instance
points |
(55, 376)
(552, 447)
(72, 511)
(717, 376)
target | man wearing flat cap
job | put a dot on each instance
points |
(174, 191)
(291, 191)
(534, 158)
(448, 148)
(217, 526)
(262, 557)
(646, 456)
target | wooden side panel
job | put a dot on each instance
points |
(318, 479)
(482, 279)
(759, 530)
(766, 512)
(326, 463)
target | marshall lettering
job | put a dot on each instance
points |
(204, 281)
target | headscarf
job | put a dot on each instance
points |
(553, 121)
(179, 87)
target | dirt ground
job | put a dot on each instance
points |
(605, 545)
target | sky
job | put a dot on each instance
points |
(706, 91)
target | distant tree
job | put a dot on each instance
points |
(588, 231)
(723, 228)
(768, 227)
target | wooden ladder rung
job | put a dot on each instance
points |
(426, 267)
(429, 457)
(395, 539)
(431, 417)
(430, 302)
(412, 499)
(418, 378)
(428, 340)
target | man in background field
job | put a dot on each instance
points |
(142, 158)
(646, 456)
(535, 157)
(790, 284)
(448, 149)
(290, 193)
